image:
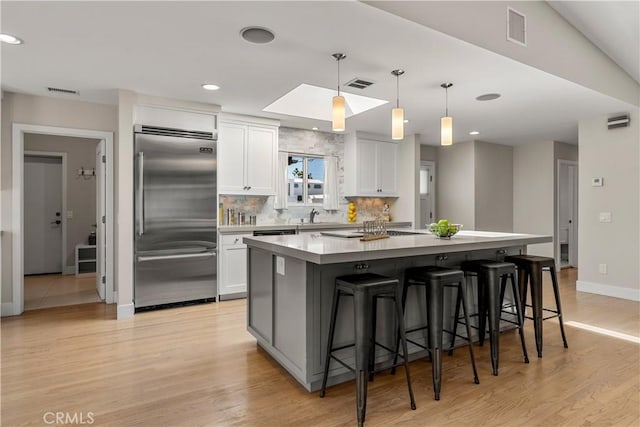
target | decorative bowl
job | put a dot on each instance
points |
(442, 233)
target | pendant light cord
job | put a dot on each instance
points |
(338, 76)
(397, 91)
(446, 101)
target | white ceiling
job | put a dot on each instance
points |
(613, 26)
(169, 49)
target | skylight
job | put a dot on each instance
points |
(314, 102)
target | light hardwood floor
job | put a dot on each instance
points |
(55, 290)
(197, 366)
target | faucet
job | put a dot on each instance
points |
(312, 215)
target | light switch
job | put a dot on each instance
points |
(69, 214)
(280, 265)
(605, 216)
(602, 268)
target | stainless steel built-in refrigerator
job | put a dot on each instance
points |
(175, 216)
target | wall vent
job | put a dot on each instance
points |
(618, 122)
(516, 27)
(63, 91)
(359, 83)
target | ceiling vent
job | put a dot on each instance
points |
(63, 91)
(359, 83)
(618, 122)
(516, 27)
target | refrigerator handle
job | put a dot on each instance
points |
(140, 210)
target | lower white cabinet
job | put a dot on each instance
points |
(232, 267)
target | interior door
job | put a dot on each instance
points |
(42, 215)
(100, 222)
(427, 215)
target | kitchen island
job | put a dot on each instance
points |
(291, 280)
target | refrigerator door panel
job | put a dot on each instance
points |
(164, 278)
(175, 182)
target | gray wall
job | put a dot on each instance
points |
(493, 187)
(455, 193)
(38, 110)
(533, 192)
(613, 155)
(81, 191)
(428, 152)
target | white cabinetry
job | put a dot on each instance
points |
(371, 167)
(247, 155)
(232, 270)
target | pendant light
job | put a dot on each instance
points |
(338, 105)
(446, 122)
(397, 114)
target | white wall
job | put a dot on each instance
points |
(81, 191)
(614, 156)
(37, 110)
(407, 206)
(533, 192)
(455, 193)
(493, 187)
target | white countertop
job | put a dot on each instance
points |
(320, 249)
(230, 229)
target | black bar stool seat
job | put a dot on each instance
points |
(365, 289)
(492, 281)
(435, 280)
(530, 268)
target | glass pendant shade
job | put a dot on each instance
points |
(338, 111)
(397, 123)
(446, 130)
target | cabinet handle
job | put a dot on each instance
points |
(249, 188)
(236, 240)
(442, 257)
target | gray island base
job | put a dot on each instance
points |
(291, 280)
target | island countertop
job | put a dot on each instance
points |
(321, 249)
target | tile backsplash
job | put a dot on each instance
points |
(306, 142)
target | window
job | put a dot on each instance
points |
(305, 180)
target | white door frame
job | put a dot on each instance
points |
(63, 213)
(431, 164)
(573, 239)
(17, 163)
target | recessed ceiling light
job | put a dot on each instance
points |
(209, 86)
(8, 38)
(257, 35)
(314, 128)
(488, 97)
(474, 132)
(406, 120)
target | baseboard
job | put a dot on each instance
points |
(6, 309)
(608, 290)
(69, 270)
(125, 311)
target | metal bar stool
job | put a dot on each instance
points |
(492, 281)
(365, 289)
(531, 266)
(435, 279)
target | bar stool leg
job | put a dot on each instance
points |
(556, 292)
(462, 296)
(492, 288)
(535, 284)
(405, 288)
(372, 345)
(482, 308)
(405, 352)
(522, 287)
(332, 329)
(520, 314)
(362, 325)
(436, 302)
(455, 322)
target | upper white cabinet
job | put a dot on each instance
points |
(371, 167)
(247, 155)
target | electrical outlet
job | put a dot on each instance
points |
(605, 216)
(280, 265)
(602, 268)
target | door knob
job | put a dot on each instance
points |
(57, 222)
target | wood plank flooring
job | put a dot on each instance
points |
(56, 290)
(197, 366)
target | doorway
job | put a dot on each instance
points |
(427, 192)
(101, 179)
(567, 214)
